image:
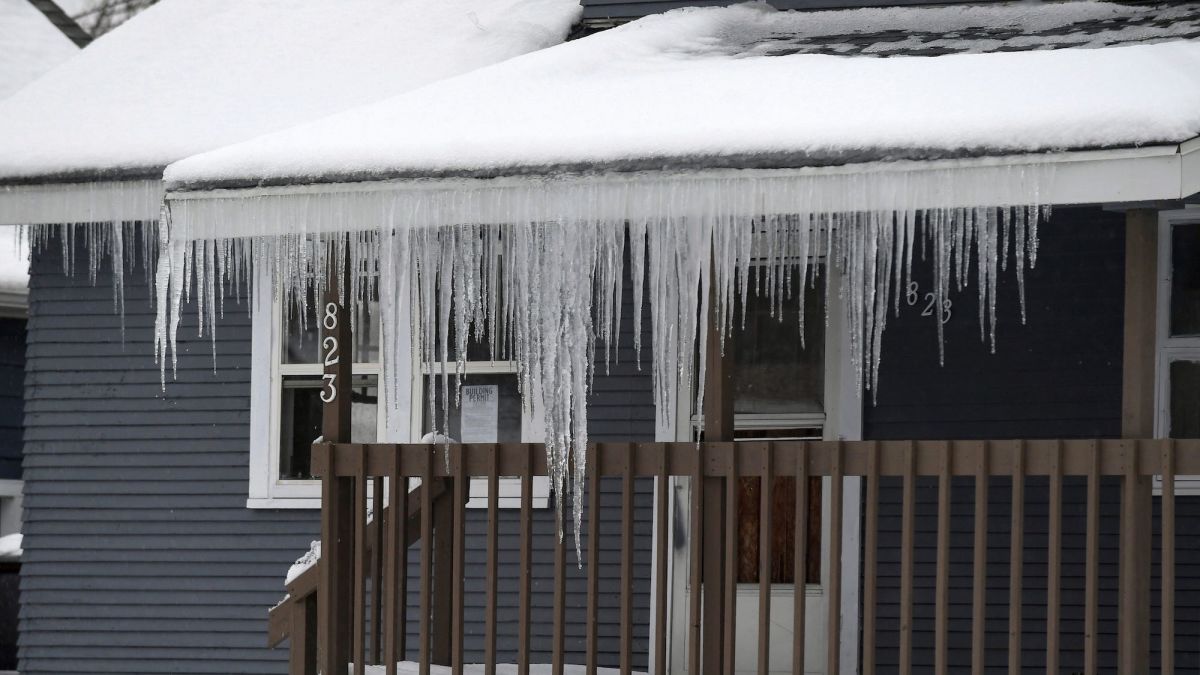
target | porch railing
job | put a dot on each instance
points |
(376, 618)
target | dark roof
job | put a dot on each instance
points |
(1130, 25)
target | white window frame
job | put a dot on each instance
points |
(1170, 349)
(267, 491)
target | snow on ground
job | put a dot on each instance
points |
(683, 85)
(10, 547)
(305, 561)
(187, 76)
(29, 45)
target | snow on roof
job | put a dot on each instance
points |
(187, 76)
(29, 45)
(690, 88)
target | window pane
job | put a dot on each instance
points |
(1185, 279)
(302, 335)
(492, 407)
(300, 421)
(1185, 399)
(773, 373)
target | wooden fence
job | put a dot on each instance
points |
(364, 572)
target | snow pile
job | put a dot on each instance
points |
(681, 89)
(184, 76)
(305, 561)
(29, 45)
(10, 547)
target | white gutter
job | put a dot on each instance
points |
(96, 202)
(1154, 173)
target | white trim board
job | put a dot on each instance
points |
(1154, 173)
(91, 202)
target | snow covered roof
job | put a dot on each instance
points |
(185, 76)
(29, 45)
(716, 87)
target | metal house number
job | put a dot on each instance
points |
(329, 351)
(914, 295)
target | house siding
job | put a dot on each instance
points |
(623, 10)
(140, 554)
(1057, 376)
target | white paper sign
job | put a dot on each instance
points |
(480, 413)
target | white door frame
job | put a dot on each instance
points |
(843, 422)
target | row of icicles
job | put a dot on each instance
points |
(548, 295)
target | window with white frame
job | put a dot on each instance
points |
(1178, 359)
(286, 410)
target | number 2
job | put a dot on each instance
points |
(946, 312)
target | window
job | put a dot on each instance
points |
(1178, 371)
(286, 410)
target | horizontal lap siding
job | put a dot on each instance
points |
(140, 553)
(1058, 376)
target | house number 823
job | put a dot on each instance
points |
(914, 294)
(329, 351)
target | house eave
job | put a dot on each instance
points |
(107, 200)
(1106, 176)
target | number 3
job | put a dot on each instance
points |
(330, 392)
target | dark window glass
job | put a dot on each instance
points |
(300, 420)
(1185, 399)
(1185, 280)
(302, 335)
(775, 373)
(488, 401)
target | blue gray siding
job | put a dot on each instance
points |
(1058, 376)
(140, 555)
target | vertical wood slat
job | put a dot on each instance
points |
(523, 628)
(394, 628)
(907, 529)
(1167, 624)
(1054, 563)
(560, 601)
(457, 626)
(660, 566)
(377, 570)
(800, 564)
(729, 619)
(766, 535)
(942, 588)
(593, 578)
(696, 535)
(426, 559)
(493, 561)
(358, 647)
(1016, 559)
(1091, 642)
(298, 634)
(834, 595)
(627, 562)
(979, 562)
(870, 560)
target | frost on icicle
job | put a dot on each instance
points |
(545, 291)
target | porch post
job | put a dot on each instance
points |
(718, 426)
(337, 494)
(1137, 421)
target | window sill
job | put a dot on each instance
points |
(313, 503)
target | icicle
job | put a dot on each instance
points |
(535, 269)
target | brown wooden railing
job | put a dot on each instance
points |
(376, 568)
